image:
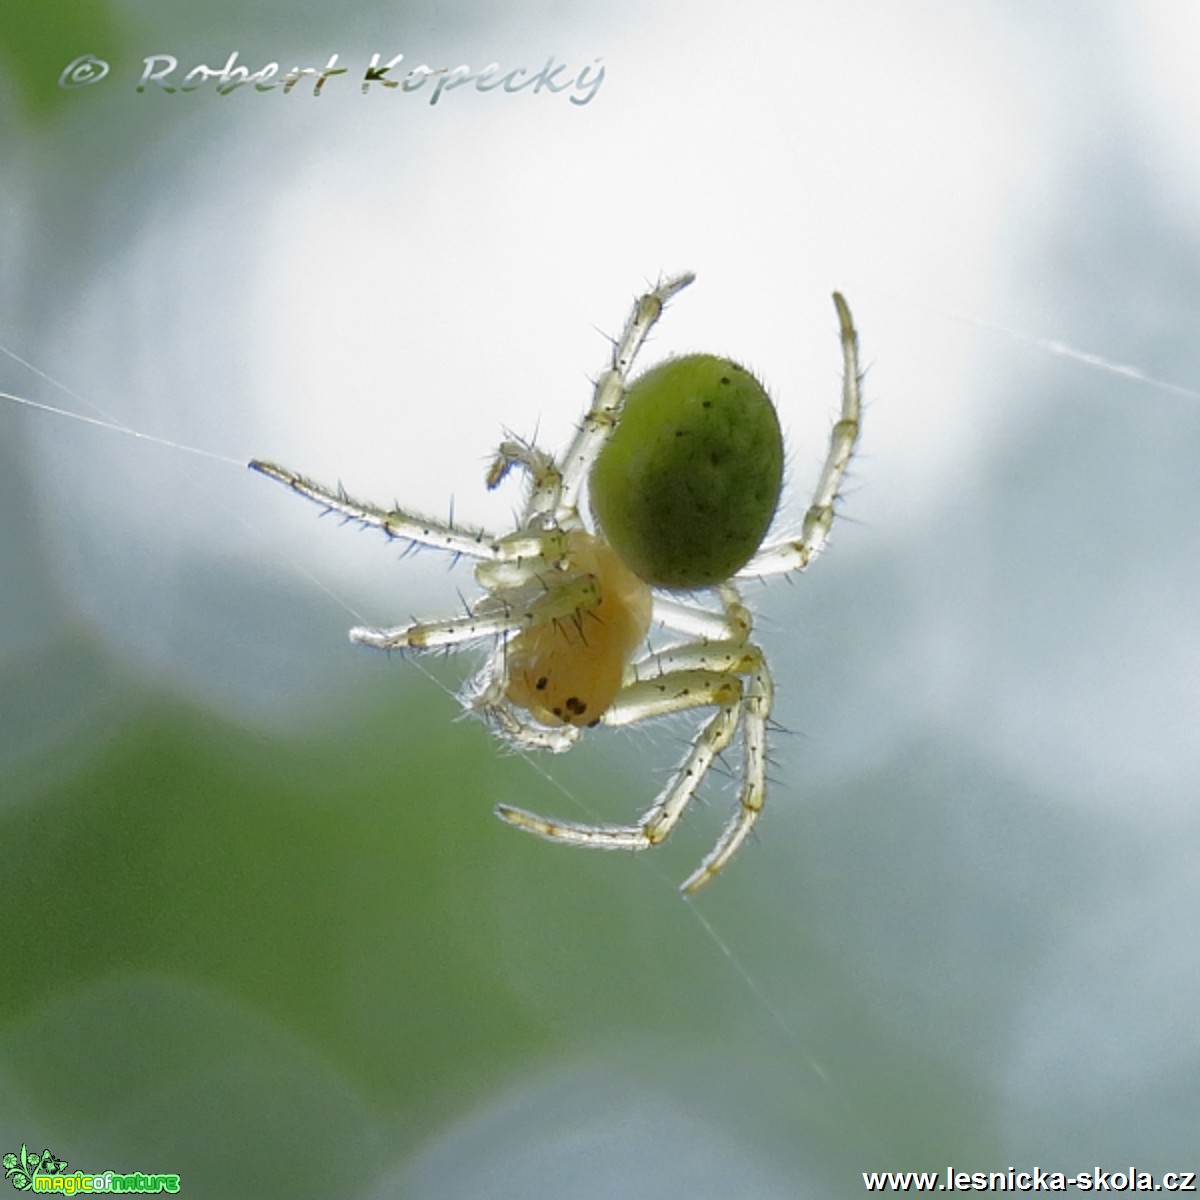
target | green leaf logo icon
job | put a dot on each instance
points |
(21, 1169)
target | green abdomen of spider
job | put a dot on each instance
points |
(687, 485)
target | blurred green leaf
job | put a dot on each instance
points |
(38, 40)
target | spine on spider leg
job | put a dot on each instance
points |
(396, 523)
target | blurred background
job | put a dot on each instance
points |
(259, 926)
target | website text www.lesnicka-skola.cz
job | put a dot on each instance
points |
(1035, 1180)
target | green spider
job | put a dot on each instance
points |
(684, 468)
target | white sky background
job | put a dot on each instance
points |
(369, 289)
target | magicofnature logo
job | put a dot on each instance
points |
(44, 1173)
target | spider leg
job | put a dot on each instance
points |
(491, 616)
(699, 623)
(731, 675)
(756, 711)
(485, 696)
(410, 527)
(545, 479)
(734, 657)
(678, 693)
(796, 554)
(609, 395)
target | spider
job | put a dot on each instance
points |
(684, 469)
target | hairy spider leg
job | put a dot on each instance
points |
(729, 674)
(600, 420)
(564, 600)
(795, 554)
(395, 522)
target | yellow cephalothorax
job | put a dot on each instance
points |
(569, 671)
(684, 468)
